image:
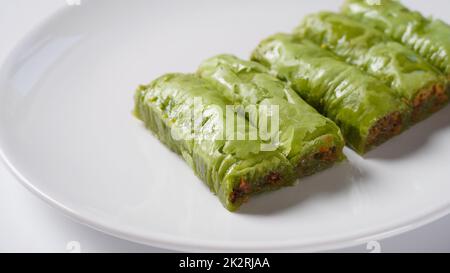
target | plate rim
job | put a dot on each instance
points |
(171, 242)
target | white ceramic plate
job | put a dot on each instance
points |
(67, 132)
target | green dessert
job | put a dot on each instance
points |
(421, 85)
(367, 111)
(234, 166)
(427, 36)
(310, 141)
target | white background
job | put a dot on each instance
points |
(27, 224)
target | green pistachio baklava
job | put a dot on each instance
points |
(367, 111)
(420, 84)
(189, 114)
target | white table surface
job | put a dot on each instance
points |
(27, 224)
